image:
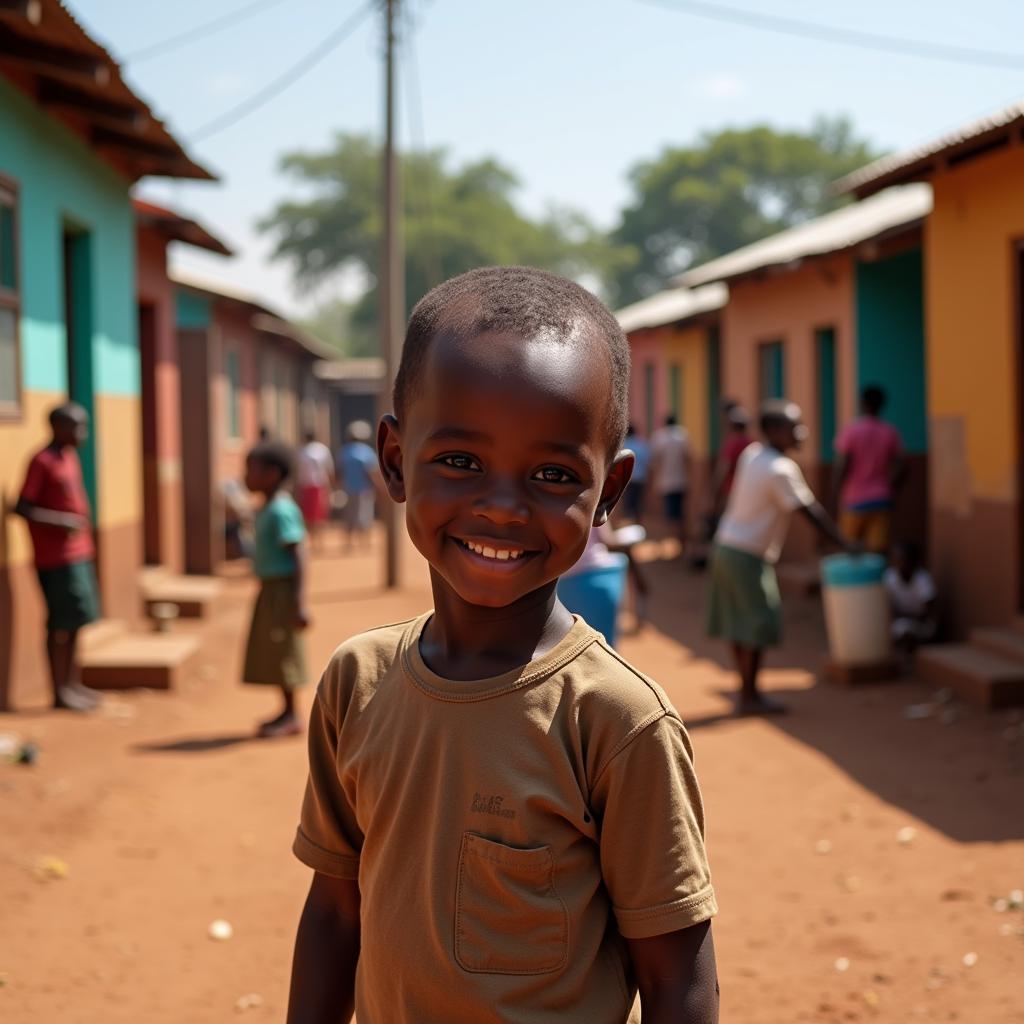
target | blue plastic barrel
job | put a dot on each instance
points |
(596, 594)
(852, 570)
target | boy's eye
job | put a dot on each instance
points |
(464, 462)
(554, 475)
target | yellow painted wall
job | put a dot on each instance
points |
(118, 429)
(969, 303)
(688, 347)
(19, 441)
(118, 456)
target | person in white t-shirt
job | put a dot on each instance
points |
(671, 466)
(314, 479)
(912, 598)
(744, 604)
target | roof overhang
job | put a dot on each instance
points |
(176, 227)
(996, 131)
(675, 306)
(47, 55)
(872, 222)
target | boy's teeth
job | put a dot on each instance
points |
(501, 556)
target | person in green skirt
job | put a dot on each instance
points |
(275, 653)
(744, 605)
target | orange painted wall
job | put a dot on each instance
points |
(973, 370)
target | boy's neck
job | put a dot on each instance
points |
(467, 641)
(270, 494)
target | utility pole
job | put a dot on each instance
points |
(392, 274)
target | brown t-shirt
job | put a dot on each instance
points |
(506, 833)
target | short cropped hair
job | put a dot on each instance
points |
(873, 399)
(67, 412)
(779, 412)
(275, 454)
(522, 301)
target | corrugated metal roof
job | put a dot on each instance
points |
(46, 53)
(265, 318)
(671, 306)
(176, 225)
(860, 222)
(916, 162)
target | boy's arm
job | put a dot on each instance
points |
(326, 953)
(677, 976)
(826, 526)
(840, 471)
(301, 615)
(69, 521)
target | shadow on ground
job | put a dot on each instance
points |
(961, 770)
(196, 744)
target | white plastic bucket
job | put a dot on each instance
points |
(856, 609)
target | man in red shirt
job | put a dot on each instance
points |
(54, 503)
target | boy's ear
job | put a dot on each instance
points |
(614, 484)
(389, 455)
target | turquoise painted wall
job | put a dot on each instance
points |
(890, 341)
(192, 311)
(61, 183)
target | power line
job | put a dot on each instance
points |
(199, 31)
(846, 37)
(299, 69)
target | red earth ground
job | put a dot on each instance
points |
(168, 816)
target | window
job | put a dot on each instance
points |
(771, 370)
(675, 391)
(233, 376)
(10, 311)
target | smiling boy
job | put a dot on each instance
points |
(501, 814)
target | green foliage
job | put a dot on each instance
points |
(454, 220)
(731, 188)
(332, 322)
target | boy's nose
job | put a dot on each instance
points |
(502, 504)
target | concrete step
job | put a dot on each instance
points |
(976, 675)
(1007, 643)
(156, 661)
(98, 633)
(193, 595)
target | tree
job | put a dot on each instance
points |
(454, 220)
(731, 188)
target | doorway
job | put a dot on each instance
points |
(150, 456)
(78, 327)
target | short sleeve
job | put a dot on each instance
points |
(789, 487)
(288, 524)
(328, 839)
(35, 481)
(652, 834)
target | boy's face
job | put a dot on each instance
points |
(71, 431)
(259, 477)
(502, 458)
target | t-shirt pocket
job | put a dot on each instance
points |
(509, 919)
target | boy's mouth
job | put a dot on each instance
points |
(493, 553)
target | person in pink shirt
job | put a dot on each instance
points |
(869, 472)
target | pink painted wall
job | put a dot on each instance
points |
(647, 348)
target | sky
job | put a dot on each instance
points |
(570, 94)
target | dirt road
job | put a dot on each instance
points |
(168, 816)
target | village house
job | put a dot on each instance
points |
(247, 372)
(974, 310)
(674, 348)
(818, 312)
(74, 140)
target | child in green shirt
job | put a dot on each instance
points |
(275, 653)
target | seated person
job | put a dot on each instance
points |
(912, 597)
